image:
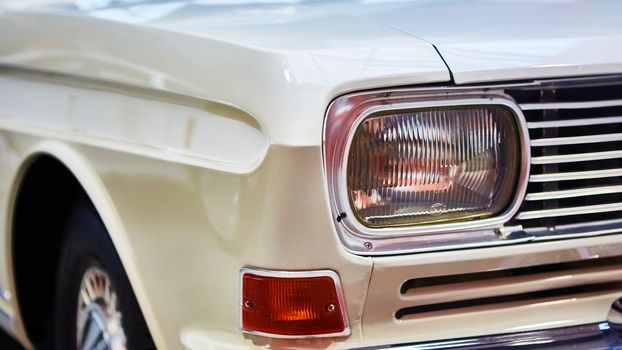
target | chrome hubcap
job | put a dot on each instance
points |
(99, 319)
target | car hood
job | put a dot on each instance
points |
(479, 40)
(484, 40)
(284, 61)
(280, 61)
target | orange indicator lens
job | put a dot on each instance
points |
(300, 306)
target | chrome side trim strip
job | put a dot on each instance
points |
(591, 336)
(570, 105)
(579, 192)
(574, 122)
(588, 209)
(575, 175)
(576, 140)
(578, 157)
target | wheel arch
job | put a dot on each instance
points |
(88, 180)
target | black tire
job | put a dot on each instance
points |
(86, 244)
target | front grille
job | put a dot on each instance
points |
(575, 183)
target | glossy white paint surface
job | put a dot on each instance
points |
(486, 40)
(281, 62)
(197, 134)
(190, 132)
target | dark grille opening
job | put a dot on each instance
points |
(579, 166)
(604, 129)
(467, 290)
(573, 219)
(502, 299)
(609, 92)
(579, 148)
(520, 271)
(588, 89)
(573, 114)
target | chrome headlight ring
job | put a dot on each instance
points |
(344, 116)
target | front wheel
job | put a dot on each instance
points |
(95, 305)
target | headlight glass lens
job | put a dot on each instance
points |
(433, 165)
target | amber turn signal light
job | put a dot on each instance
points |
(292, 304)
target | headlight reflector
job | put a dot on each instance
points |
(433, 165)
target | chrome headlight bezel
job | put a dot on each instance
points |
(344, 116)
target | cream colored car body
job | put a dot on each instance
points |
(196, 129)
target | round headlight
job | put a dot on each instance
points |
(433, 165)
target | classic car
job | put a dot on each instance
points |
(350, 174)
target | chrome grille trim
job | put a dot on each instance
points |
(578, 157)
(570, 105)
(576, 140)
(573, 122)
(580, 192)
(588, 209)
(575, 175)
(576, 163)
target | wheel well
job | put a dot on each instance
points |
(46, 196)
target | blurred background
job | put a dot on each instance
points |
(7, 343)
